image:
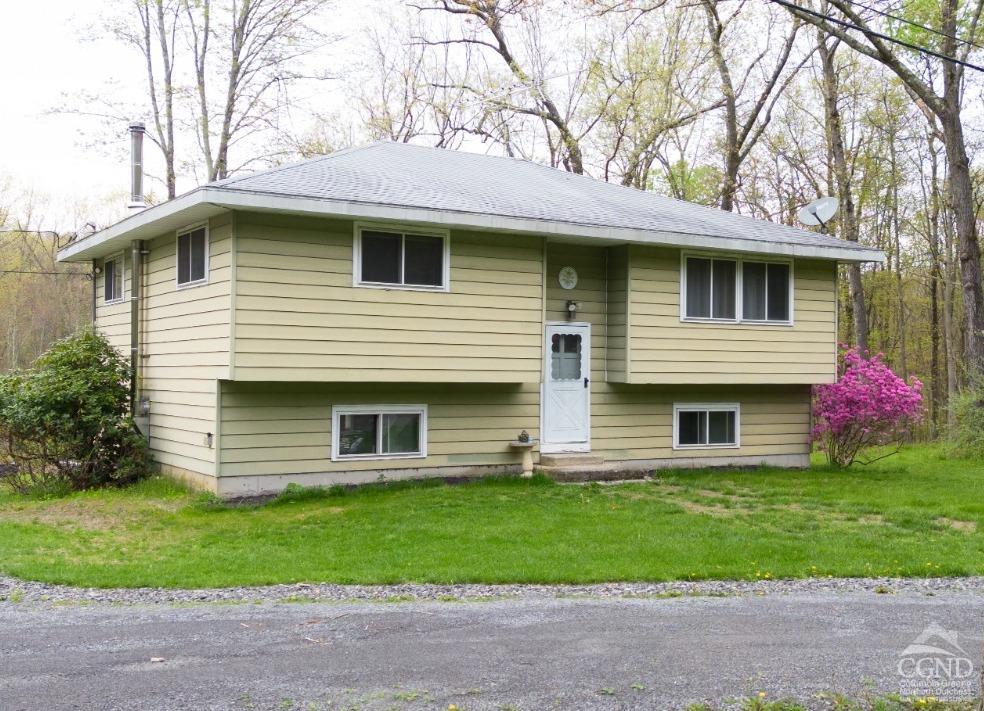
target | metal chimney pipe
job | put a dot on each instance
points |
(137, 130)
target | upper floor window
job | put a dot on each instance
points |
(113, 279)
(765, 291)
(401, 259)
(736, 290)
(192, 256)
(711, 288)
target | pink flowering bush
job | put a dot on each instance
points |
(868, 406)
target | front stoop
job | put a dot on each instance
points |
(583, 467)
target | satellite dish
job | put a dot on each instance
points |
(818, 212)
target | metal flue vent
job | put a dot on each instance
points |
(137, 131)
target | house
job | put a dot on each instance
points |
(395, 311)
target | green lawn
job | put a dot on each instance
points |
(916, 514)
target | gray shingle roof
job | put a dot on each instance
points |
(403, 175)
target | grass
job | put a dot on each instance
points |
(917, 514)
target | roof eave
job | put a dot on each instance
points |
(208, 201)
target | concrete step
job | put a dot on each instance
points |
(591, 472)
(571, 459)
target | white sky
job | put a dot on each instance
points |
(65, 164)
(43, 57)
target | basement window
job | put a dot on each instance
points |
(701, 426)
(113, 279)
(401, 259)
(378, 432)
(192, 256)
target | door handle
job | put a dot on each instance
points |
(586, 381)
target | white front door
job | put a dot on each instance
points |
(566, 388)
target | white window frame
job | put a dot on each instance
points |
(739, 289)
(177, 237)
(121, 256)
(357, 281)
(679, 407)
(338, 410)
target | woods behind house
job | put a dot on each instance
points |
(748, 105)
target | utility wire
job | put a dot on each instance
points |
(25, 271)
(915, 24)
(851, 26)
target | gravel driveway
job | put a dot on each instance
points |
(532, 652)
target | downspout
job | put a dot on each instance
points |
(94, 275)
(136, 277)
(136, 203)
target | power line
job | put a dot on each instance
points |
(915, 24)
(851, 26)
(26, 271)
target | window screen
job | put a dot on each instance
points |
(192, 256)
(402, 259)
(381, 257)
(423, 259)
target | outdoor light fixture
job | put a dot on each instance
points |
(208, 440)
(571, 309)
(144, 407)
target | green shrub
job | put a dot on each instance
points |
(967, 434)
(65, 422)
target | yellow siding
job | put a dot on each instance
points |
(663, 349)
(273, 429)
(635, 422)
(184, 346)
(298, 316)
(617, 325)
(113, 320)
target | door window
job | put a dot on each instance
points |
(565, 356)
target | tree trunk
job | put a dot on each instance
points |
(848, 214)
(968, 247)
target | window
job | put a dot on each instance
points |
(113, 279)
(402, 259)
(765, 291)
(711, 289)
(379, 432)
(565, 356)
(705, 426)
(192, 256)
(735, 290)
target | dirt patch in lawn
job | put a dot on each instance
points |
(87, 514)
(958, 525)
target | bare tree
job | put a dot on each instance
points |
(492, 15)
(946, 106)
(255, 42)
(743, 129)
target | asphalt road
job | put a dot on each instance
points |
(534, 654)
